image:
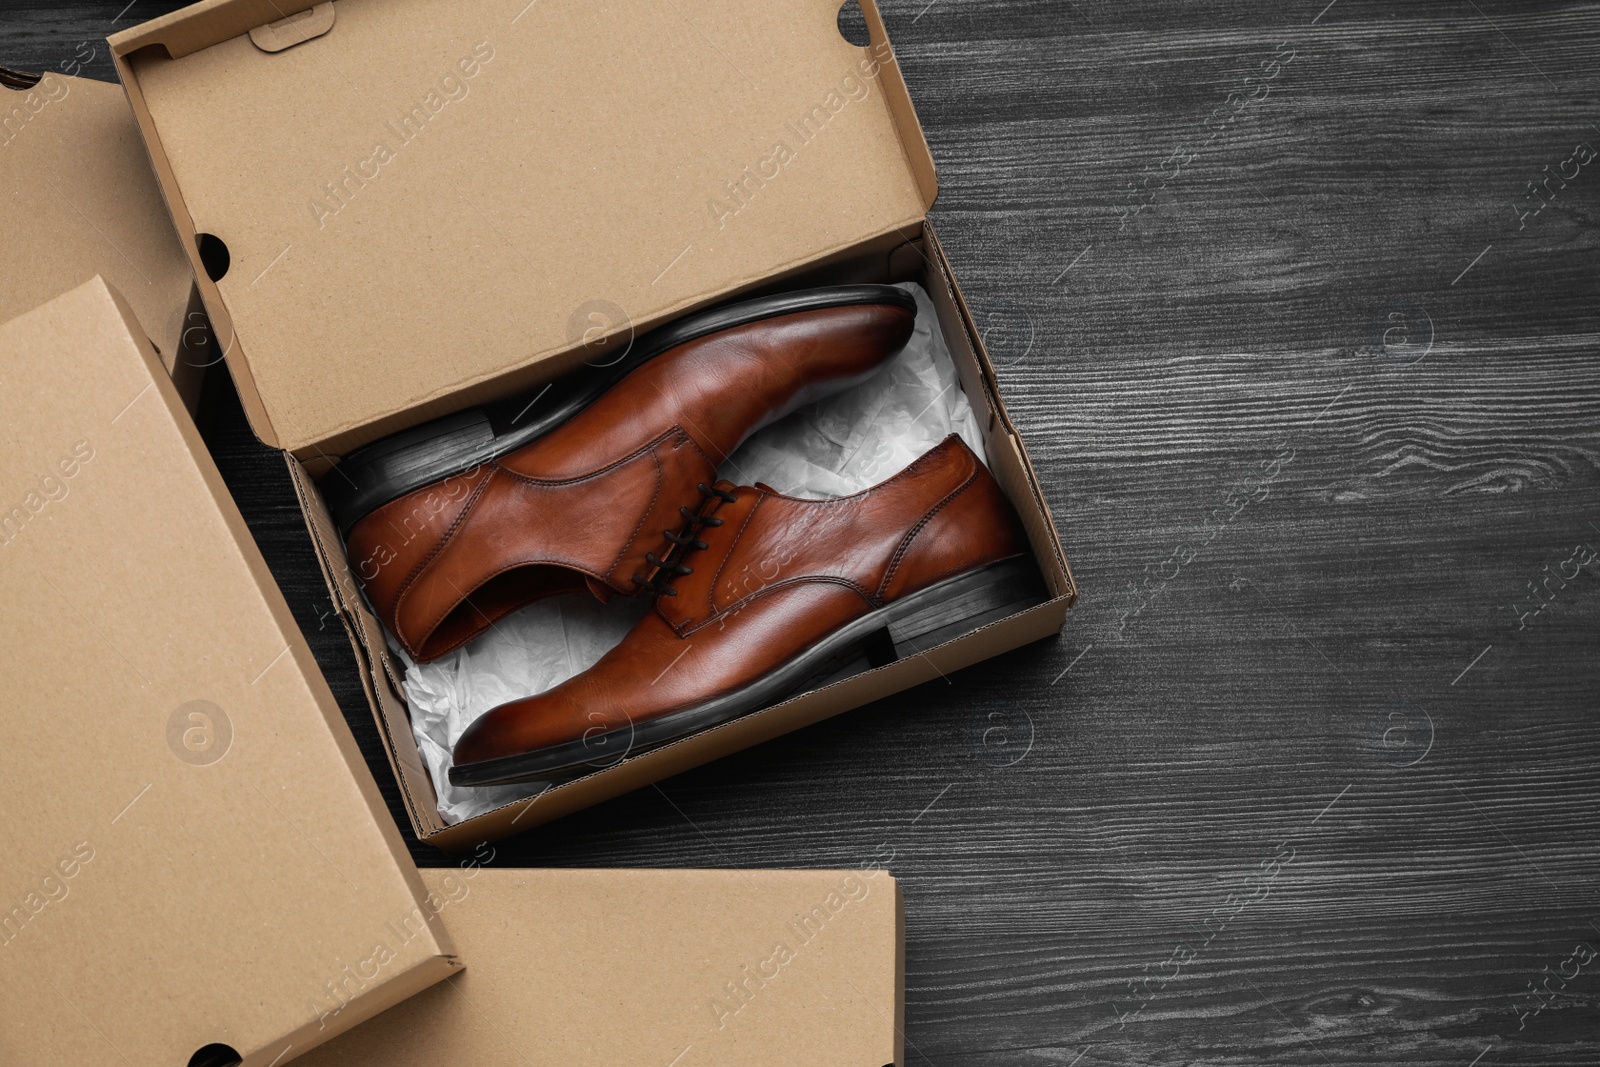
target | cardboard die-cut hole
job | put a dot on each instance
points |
(214, 256)
(216, 1055)
(19, 80)
(853, 24)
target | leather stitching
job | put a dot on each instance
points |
(660, 481)
(711, 590)
(688, 625)
(905, 542)
(689, 439)
(644, 517)
(648, 446)
(422, 565)
(495, 468)
(875, 600)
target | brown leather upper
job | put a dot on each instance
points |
(776, 576)
(583, 504)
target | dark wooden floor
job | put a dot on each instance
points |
(1311, 775)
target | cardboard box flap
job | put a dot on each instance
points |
(81, 200)
(430, 204)
(195, 851)
(663, 968)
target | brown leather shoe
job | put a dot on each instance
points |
(768, 595)
(486, 515)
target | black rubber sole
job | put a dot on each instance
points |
(401, 463)
(905, 628)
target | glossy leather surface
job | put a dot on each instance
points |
(776, 576)
(583, 505)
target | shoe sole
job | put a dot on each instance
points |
(907, 627)
(401, 463)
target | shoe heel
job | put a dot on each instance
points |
(964, 603)
(935, 615)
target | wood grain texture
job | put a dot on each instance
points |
(1319, 422)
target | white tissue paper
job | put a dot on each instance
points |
(835, 447)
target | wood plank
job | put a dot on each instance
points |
(1321, 424)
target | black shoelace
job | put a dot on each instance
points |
(684, 541)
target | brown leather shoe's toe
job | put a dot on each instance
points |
(766, 596)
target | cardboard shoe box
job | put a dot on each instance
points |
(403, 208)
(661, 968)
(80, 200)
(196, 855)
(199, 871)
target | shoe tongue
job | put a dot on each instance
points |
(601, 591)
(765, 488)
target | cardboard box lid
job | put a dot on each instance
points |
(80, 200)
(427, 204)
(605, 968)
(195, 851)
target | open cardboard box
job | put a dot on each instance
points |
(199, 871)
(402, 208)
(81, 200)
